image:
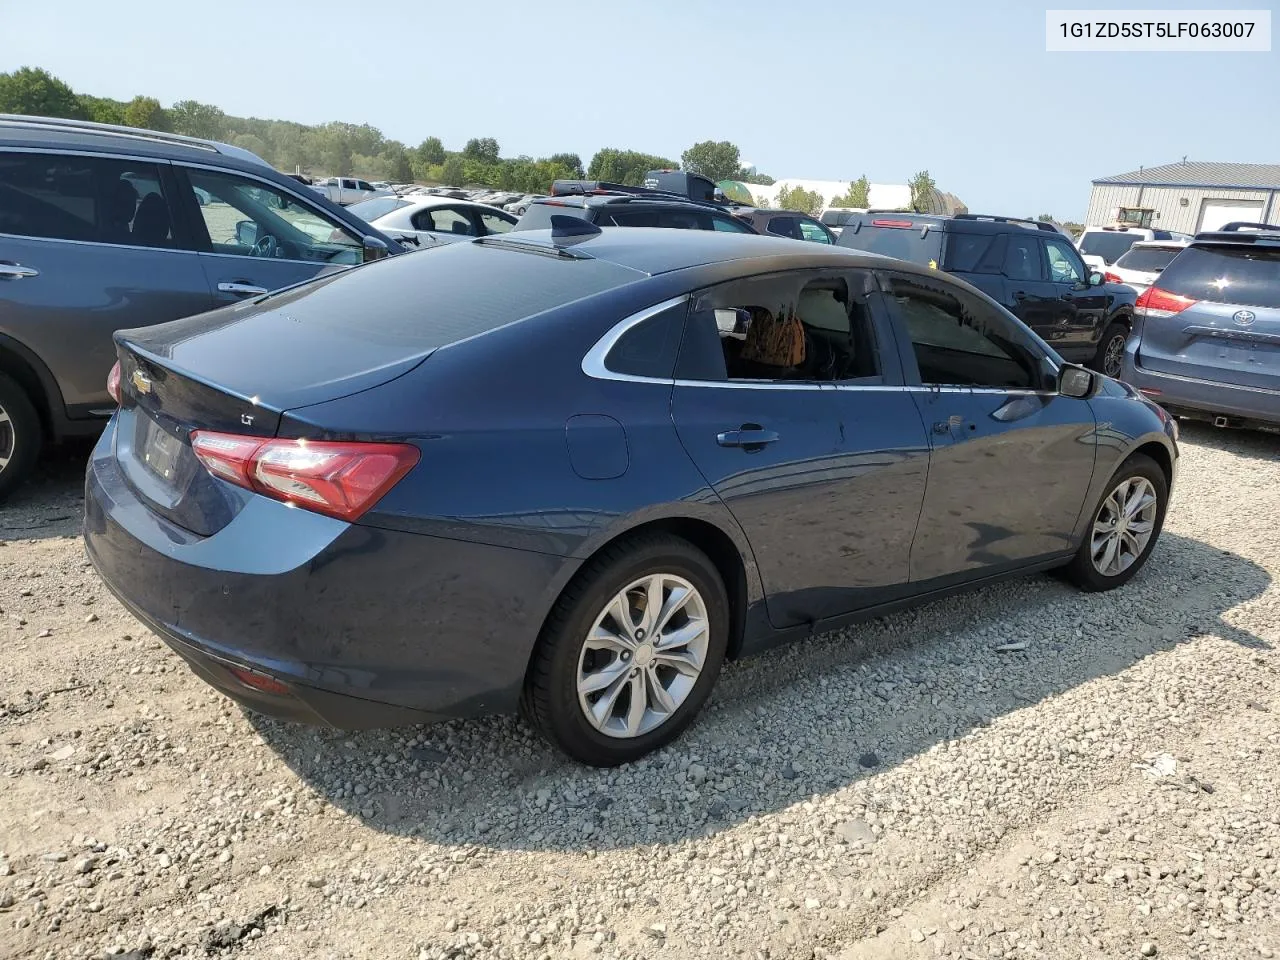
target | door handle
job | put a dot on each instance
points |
(1019, 294)
(16, 271)
(750, 437)
(241, 289)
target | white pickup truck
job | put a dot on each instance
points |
(345, 190)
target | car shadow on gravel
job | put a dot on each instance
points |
(801, 721)
(51, 501)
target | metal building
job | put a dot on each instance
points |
(1188, 196)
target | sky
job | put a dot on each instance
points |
(819, 89)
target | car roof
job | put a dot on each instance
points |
(51, 133)
(655, 250)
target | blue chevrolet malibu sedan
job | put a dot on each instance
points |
(574, 471)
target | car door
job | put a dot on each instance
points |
(1031, 296)
(256, 236)
(490, 222)
(448, 223)
(756, 407)
(90, 245)
(1086, 305)
(1011, 459)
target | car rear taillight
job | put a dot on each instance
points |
(259, 681)
(113, 382)
(900, 224)
(1157, 303)
(1110, 277)
(338, 479)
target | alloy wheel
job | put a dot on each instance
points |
(643, 655)
(8, 438)
(1113, 358)
(1123, 526)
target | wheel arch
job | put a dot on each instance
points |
(727, 549)
(21, 364)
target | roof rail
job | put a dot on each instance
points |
(135, 133)
(563, 188)
(1243, 225)
(1038, 224)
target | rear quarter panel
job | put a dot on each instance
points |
(491, 414)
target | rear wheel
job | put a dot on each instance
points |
(1110, 356)
(630, 652)
(20, 435)
(1125, 527)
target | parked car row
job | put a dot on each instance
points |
(724, 438)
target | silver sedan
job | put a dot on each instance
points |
(431, 220)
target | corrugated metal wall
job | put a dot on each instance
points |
(1167, 202)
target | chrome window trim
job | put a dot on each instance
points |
(594, 367)
(593, 362)
(102, 243)
(245, 256)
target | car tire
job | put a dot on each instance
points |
(20, 435)
(574, 670)
(1109, 359)
(1092, 568)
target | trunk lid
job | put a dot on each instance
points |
(236, 370)
(1230, 332)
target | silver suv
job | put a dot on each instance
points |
(1206, 344)
(104, 228)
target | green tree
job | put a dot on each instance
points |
(762, 179)
(36, 92)
(483, 149)
(714, 160)
(570, 162)
(859, 195)
(452, 172)
(798, 198)
(922, 191)
(1046, 218)
(625, 166)
(146, 113)
(397, 161)
(430, 150)
(192, 118)
(103, 109)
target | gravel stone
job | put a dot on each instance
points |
(1016, 805)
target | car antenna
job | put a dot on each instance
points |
(572, 229)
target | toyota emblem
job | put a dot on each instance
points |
(1244, 317)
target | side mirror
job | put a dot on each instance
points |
(1095, 279)
(733, 323)
(374, 249)
(1077, 382)
(246, 233)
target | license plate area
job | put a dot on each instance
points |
(161, 451)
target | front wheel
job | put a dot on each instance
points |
(1110, 356)
(20, 435)
(630, 652)
(1124, 528)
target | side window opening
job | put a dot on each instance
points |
(1022, 260)
(649, 348)
(959, 340)
(974, 252)
(781, 328)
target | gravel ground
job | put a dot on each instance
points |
(901, 789)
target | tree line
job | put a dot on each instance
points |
(348, 149)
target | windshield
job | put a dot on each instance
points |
(1245, 275)
(1107, 245)
(1150, 259)
(375, 207)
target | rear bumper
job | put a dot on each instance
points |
(1203, 399)
(364, 626)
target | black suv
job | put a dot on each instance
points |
(1030, 268)
(616, 205)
